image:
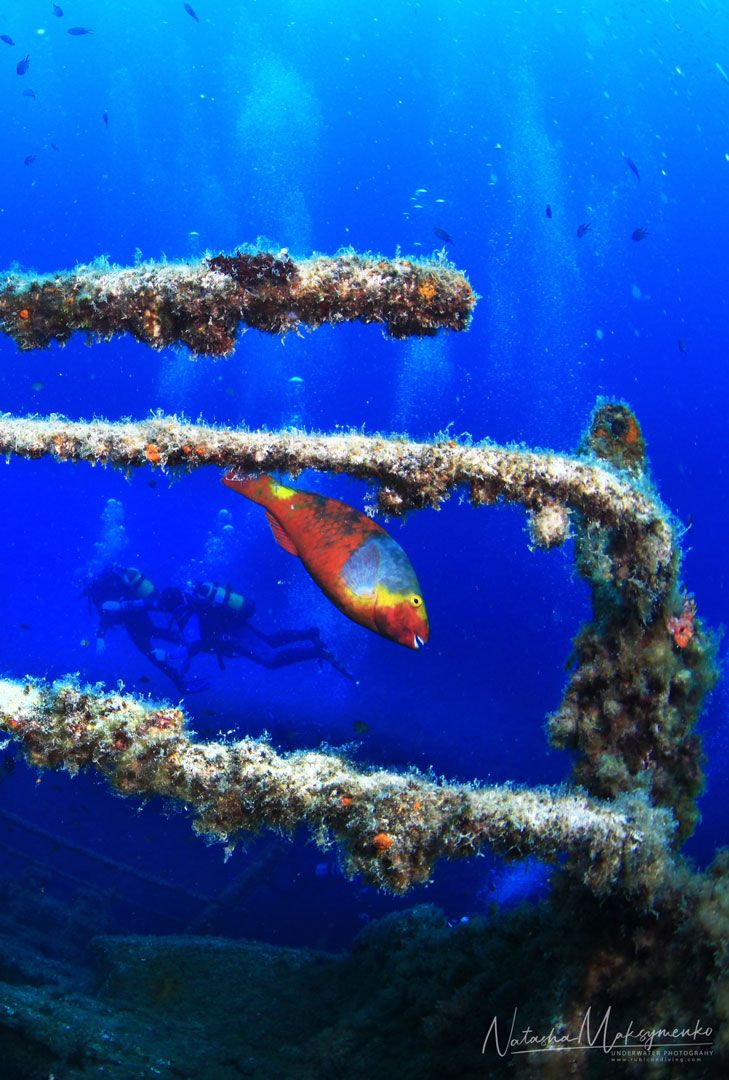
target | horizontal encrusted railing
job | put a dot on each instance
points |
(202, 304)
(410, 474)
(392, 827)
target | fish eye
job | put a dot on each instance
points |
(416, 601)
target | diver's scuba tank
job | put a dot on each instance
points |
(222, 597)
(137, 583)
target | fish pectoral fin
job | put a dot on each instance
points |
(361, 571)
(280, 535)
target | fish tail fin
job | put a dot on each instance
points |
(254, 486)
(265, 491)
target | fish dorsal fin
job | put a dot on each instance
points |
(361, 572)
(280, 535)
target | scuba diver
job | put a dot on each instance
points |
(214, 619)
(171, 627)
(123, 596)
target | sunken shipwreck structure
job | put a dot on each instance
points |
(627, 920)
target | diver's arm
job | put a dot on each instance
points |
(118, 606)
(192, 633)
(104, 623)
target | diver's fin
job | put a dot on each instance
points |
(329, 656)
(280, 535)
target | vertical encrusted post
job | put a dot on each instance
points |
(645, 663)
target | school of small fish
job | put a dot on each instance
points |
(420, 200)
(23, 65)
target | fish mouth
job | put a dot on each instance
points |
(418, 642)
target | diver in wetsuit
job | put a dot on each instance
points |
(123, 596)
(171, 627)
(212, 618)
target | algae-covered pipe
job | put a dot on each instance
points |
(413, 474)
(391, 827)
(202, 304)
(409, 475)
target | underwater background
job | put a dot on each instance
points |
(165, 133)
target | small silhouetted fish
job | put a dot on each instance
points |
(639, 234)
(191, 12)
(361, 727)
(682, 347)
(54, 147)
(7, 39)
(79, 31)
(632, 166)
(144, 679)
(105, 118)
(443, 235)
(57, 11)
(36, 387)
(23, 65)
(29, 159)
(548, 210)
(582, 229)
(8, 765)
(29, 93)
(152, 483)
(24, 626)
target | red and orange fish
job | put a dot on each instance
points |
(362, 570)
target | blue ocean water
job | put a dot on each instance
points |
(315, 127)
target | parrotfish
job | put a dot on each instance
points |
(355, 563)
